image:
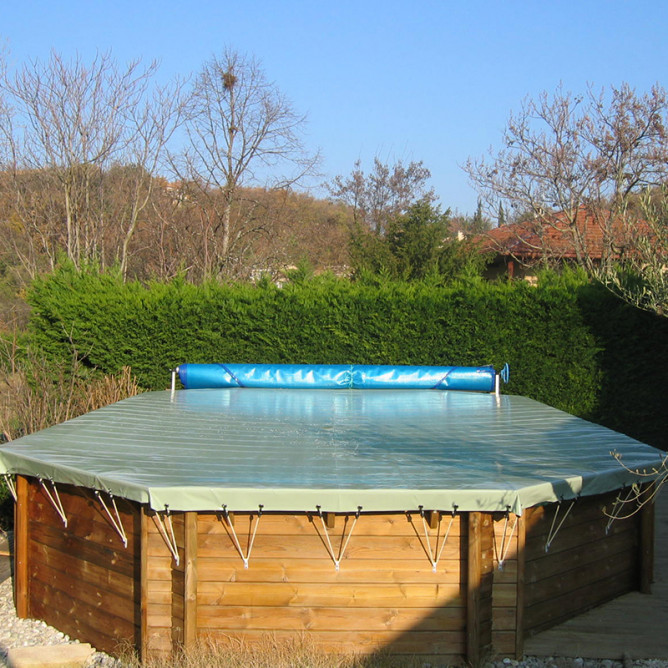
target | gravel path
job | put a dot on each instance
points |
(15, 632)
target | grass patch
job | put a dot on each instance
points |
(270, 652)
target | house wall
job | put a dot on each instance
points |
(506, 267)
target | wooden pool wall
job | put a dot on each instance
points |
(385, 596)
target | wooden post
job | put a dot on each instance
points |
(178, 572)
(433, 518)
(473, 582)
(21, 553)
(646, 565)
(521, 559)
(190, 584)
(143, 602)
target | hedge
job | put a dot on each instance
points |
(568, 343)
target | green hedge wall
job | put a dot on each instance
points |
(569, 344)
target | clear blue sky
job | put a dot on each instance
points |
(427, 80)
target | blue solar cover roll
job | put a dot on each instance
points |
(336, 376)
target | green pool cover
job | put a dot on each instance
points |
(294, 450)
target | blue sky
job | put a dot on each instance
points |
(431, 81)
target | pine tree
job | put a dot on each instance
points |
(479, 223)
(501, 216)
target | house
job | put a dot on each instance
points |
(557, 239)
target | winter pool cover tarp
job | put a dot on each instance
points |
(293, 450)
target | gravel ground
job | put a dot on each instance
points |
(560, 662)
(15, 632)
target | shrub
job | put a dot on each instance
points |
(567, 342)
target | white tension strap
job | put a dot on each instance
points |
(115, 521)
(169, 539)
(54, 497)
(552, 534)
(11, 485)
(505, 540)
(344, 539)
(437, 551)
(244, 557)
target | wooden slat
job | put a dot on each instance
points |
(323, 571)
(570, 534)
(320, 595)
(177, 609)
(234, 618)
(568, 539)
(503, 642)
(578, 556)
(79, 501)
(586, 510)
(519, 606)
(485, 609)
(596, 573)
(646, 565)
(397, 524)
(159, 568)
(82, 578)
(584, 567)
(159, 643)
(178, 581)
(508, 575)
(160, 597)
(86, 519)
(509, 543)
(505, 619)
(474, 580)
(79, 620)
(633, 624)
(101, 577)
(178, 578)
(190, 581)
(550, 611)
(160, 615)
(177, 527)
(21, 553)
(313, 546)
(145, 629)
(45, 538)
(505, 595)
(108, 603)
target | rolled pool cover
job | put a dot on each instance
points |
(339, 376)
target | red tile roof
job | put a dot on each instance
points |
(554, 236)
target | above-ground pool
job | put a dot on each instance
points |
(438, 522)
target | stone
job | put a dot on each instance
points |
(49, 656)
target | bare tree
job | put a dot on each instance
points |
(565, 153)
(242, 132)
(382, 195)
(71, 123)
(153, 124)
(641, 277)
